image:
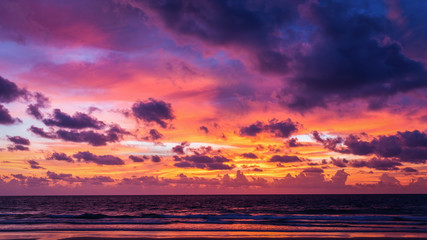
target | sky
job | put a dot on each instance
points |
(213, 97)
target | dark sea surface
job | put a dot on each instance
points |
(232, 213)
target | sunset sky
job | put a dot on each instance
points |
(213, 97)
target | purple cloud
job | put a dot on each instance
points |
(9, 92)
(285, 159)
(77, 121)
(5, 117)
(153, 110)
(60, 157)
(41, 133)
(19, 140)
(138, 158)
(204, 162)
(98, 159)
(282, 129)
(249, 155)
(34, 164)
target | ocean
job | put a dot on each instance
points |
(226, 215)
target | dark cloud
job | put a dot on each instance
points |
(9, 92)
(34, 111)
(257, 170)
(41, 102)
(405, 146)
(293, 142)
(204, 162)
(252, 130)
(409, 170)
(91, 137)
(414, 138)
(138, 158)
(19, 140)
(98, 159)
(205, 129)
(251, 26)
(153, 110)
(155, 158)
(113, 134)
(154, 135)
(283, 129)
(376, 163)
(249, 155)
(95, 180)
(179, 149)
(350, 58)
(60, 157)
(17, 147)
(5, 117)
(339, 162)
(359, 147)
(329, 143)
(285, 159)
(77, 121)
(313, 170)
(34, 164)
(61, 177)
(41, 133)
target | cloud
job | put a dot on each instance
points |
(252, 130)
(19, 140)
(409, 170)
(249, 155)
(77, 121)
(247, 26)
(17, 147)
(35, 165)
(41, 133)
(61, 177)
(98, 159)
(329, 143)
(313, 170)
(404, 146)
(19, 143)
(204, 129)
(285, 159)
(95, 180)
(113, 134)
(204, 162)
(179, 149)
(349, 58)
(313, 178)
(153, 110)
(153, 135)
(41, 102)
(5, 117)
(293, 142)
(9, 92)
(282, 129)
(34, 111)
(60, 157)
(379, 164)
(339, 162)
(155, 158)
(138, 158)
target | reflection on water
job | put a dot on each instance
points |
(227, 215)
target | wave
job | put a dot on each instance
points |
(94, 216)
